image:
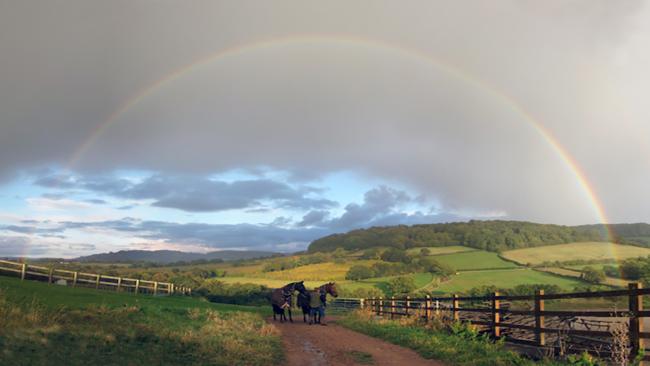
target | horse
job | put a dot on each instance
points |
(323, 290)
(281, 299)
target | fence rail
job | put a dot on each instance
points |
(592, 330)
(75, 278)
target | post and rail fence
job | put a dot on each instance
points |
(523, 319)
(98, 281)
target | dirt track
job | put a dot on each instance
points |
(315, 345)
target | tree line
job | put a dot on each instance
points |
(495, 236)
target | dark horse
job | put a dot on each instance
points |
(281, 299)
(322, 291)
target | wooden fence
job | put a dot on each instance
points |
(571, 331)
(74, 278)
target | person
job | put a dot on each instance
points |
(316, 307)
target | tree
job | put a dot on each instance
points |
(428, 264)
(401, 285)
(593, 275)
(395, 255)
(425, 252)
(359, 272)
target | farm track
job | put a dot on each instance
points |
(314, 345)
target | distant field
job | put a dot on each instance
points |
(328, 271)
(441, 250)
(575, 251)
(576, 273)
(273, 283)
(579, 267)
(474, 260)
(503, 279)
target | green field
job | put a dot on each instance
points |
(474, 260)
(49, 324)
(503, 279)
(575, 251)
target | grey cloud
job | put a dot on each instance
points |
(578, 68)
(199, 194)
(378, 202)
(314, 218)
(19, 246)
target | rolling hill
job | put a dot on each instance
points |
(171, 256)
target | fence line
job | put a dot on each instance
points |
(494, 316)
(74, 278)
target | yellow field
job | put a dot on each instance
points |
(272, 283)
(328, 271)
(575, 251)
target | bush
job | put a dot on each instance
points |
(401, 285)
(593, 275)
(237, 293)
(433, 266)
(395, 255)
(359, 272)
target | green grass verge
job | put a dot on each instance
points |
(55, 325)
(454, 349)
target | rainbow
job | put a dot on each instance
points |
(239, 49)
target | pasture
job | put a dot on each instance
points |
(588, 251)
(49, 324)
(465, 281)
(474, 260)
(328, 271)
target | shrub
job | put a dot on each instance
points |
(359, 272)
(593, 275)
(401, 285)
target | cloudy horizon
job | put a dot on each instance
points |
(264, 125)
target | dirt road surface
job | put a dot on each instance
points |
(315, 345)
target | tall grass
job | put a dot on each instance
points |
(32, 333)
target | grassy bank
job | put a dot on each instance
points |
(54, 325)
(461, 346)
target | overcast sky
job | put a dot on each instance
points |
(205, 125)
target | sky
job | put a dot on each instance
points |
(211, 125)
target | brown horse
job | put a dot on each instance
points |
(281, 299)
(322, 291)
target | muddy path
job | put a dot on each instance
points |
(315, 345)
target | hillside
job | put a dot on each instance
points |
(57, 325)
(171, 256)
(487, 235)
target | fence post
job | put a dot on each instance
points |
(540, 336)
(74, 279)
(380, 308)
(454, 308)
(137, 286)
(496, 306)
(635, 305)
(392, 306)
(50, 277)
(97, 281)
(408, 305)
(361, 302)
(23, 269)
(155, 288)
(427, 308)
(119, 284)
(437, 307)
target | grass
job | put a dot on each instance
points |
(503, 279)
(433, 251)
(49, 324)
(328, 271)
(617, 282)
(575, 251)
(462, 348)
(474, 260)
